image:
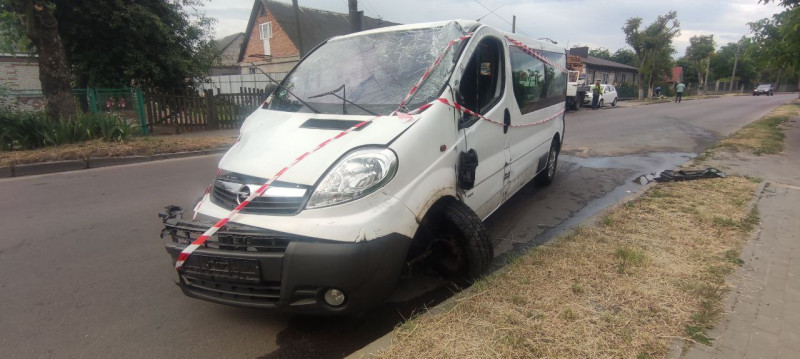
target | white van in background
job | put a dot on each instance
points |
(409, 185)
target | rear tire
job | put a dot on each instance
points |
(600, 103)
(545, 178)
(614, 104)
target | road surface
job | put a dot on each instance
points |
(84, 273)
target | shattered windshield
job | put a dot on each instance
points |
(370, 74)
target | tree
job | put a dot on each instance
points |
(153, 43)
(777, 41)
(160, 44)
(602, 53)
(699, 52)
(723, 61)
(652, 45)
(625, 56)
(36, 19)
(784, 3)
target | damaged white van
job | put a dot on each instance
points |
(391, 147)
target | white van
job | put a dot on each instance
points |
(364, 188)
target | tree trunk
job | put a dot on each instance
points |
(700, 76)
(42, 29)
(641, 77)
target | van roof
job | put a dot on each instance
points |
(423, 25)
(466, 24)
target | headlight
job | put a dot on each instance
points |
(356, 175)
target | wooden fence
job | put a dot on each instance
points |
(205, 111)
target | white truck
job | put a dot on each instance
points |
(576, 82)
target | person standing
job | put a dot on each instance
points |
(597, 90)
(679, 91)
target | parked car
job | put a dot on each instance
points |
(763, 90)
(609, 96)
(373, 189)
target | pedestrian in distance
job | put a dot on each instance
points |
(679, 91)
(597, 90)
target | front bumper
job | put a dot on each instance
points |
(289, 273)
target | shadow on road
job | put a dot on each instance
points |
(337, 337)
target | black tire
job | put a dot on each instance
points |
(600, 103)
(545, 178)
(463, 245)
(614, 104)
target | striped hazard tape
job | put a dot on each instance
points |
(430, 69)
(184, 255)
(187, 252)
(537, 54)
(472, 113)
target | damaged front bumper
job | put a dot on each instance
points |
(255, 267)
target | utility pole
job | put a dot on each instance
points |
(296, 10)
(735, 61)
(514, 24)
(355, 16)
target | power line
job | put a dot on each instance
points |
(501, 18)
(373, 9)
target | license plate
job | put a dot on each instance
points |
(230, 269)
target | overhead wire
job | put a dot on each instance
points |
(501, 18)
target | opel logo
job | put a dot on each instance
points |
(243, 193)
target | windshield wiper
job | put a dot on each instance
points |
(284, 88)
(344, 99)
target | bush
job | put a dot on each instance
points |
(31, 130)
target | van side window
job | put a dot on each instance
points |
(527, 74)
(482, 84)
(536, 85)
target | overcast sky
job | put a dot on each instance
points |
(593, 23)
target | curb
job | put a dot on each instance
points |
(94, 162)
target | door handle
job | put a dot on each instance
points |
(506, 121)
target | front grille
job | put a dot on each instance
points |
(274, 205)
(232, 237)
(267, 292)
(239, 270)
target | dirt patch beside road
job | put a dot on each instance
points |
(139, 146)
(652, 270)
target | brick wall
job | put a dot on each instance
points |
(280, 44)
(19, 73)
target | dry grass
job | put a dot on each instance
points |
(765, 135)
(651, 271)
(141, 146)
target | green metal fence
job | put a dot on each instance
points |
(127, 103)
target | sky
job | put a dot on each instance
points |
(593, 23)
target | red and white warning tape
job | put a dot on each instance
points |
(466, 110)
(537, 54)
(430, 69)
(184, 255)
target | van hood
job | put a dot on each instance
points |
(270, 140)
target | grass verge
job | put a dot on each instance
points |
(651, 271)
(138, 146)
(763, 136)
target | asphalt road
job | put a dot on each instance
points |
(84, 274)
